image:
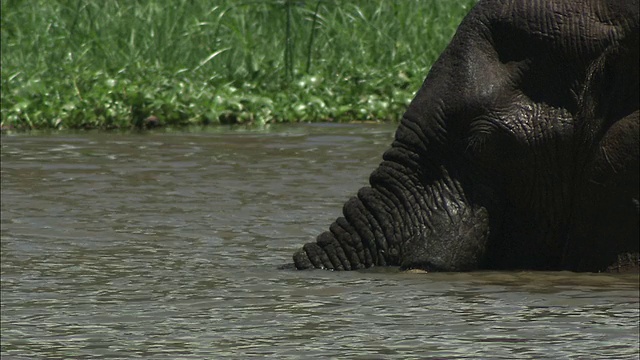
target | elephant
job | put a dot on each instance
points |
(518, 152)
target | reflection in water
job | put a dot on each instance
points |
(166, 245)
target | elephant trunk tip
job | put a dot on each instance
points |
(323, 254)
(301, 260)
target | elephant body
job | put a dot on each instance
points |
(519, 151)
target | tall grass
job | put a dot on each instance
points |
(113, 64)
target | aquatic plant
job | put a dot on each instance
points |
(123, 64)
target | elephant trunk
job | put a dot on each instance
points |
(407, 218)
(353, 242)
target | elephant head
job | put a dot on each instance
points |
(520, 150)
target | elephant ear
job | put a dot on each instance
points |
(612, 89)
(608, 130)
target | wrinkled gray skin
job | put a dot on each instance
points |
(520, 151)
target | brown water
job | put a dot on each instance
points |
(167, 245)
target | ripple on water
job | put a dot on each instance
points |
(167, 245)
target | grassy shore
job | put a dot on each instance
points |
(69, 64)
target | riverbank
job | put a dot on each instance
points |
(122, 64)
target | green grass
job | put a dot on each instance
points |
(113, 64)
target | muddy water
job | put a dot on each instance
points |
(167, 245)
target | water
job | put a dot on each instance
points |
(167, 246)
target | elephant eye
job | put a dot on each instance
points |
(480, 135)
(476, 144)
(491, 144)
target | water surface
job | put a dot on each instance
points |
(167, 245)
